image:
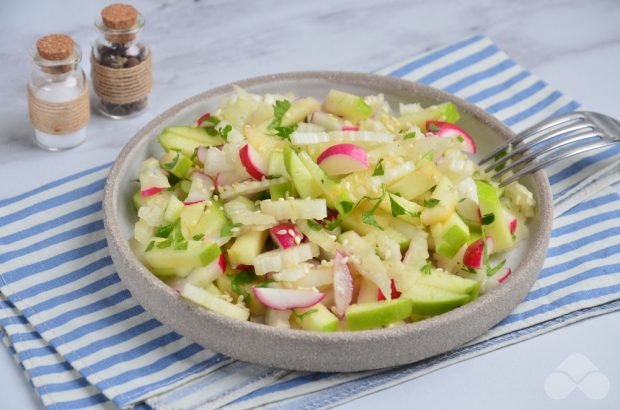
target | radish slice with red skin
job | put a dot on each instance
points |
(244, 267)
(446, 129)
(342, 159)
(474, 254)
(332, 215)
(394, 293)
(284, 299)
(152, 176)
(252, 162)
(349, 128)
(343, 284)
(202, 118)
(512, 226)
(286, 235)
(505, 273)
(151, 191)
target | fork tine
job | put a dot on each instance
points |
(552, 159)
(581, 136)
(542, 126)
(549, 134)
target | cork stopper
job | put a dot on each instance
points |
(119, 16)
(55, 47)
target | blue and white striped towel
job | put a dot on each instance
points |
(84, 342)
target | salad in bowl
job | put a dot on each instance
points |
(336, 215)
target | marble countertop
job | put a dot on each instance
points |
(574, 45)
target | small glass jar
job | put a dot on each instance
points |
(58, 94)
(121, 71)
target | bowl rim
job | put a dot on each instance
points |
(512, 290)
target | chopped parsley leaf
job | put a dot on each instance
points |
(396, 208)
(303, 315)
(492, 270)
(488, 219)
(347, 206)
(378, 169)
(432, 127)
(164, 231)
(198, 236)
(285, 132)
(227, 230)
(149, 246)
(165, 244)
(314, 225)
(426, 269)
(409, 135)
(368, 217)
(499, 156)
(172, 163)
(211, 124)
(431, 203)
(331, 225)
(279, 109)
(242, 278)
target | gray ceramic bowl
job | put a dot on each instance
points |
(300, 350)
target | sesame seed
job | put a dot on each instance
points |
(291, 232)
(281, 232)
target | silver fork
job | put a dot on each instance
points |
(551, 141)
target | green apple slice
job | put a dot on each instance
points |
(453, 283)
(429, 301)
(450, 236)
(303, 181)
(498, 229)
(197, 254)
(317, 318)
(377, 314)
(247, 247)
(346, 105)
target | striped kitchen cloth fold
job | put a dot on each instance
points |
(83, 341)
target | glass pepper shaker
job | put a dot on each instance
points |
(58, 102)
(121, 63)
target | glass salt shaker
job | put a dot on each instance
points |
(121, 63)
(58, 102)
